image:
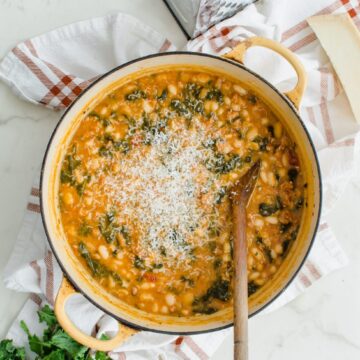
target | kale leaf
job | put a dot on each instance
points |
(135, 95)
(252, 288)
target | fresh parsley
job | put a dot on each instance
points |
(55, 343)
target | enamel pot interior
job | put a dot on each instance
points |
(80, 278)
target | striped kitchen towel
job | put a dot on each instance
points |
(50, 70)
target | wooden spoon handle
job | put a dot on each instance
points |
(240, 283)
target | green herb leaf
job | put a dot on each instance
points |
(100, 355)
(105, 152)
(292, 174)
(157, 266)
(252, 99)
(96, 268)
(215, 94)
(122, 145)
(63, 341)
(285, 227)
(37, 345)
(10, 352)
(139, 263)
(94, 114)
(56, 355)
(264, 247)
(71, 162)
(220, 195)
(163, 95)
(217, 263)
(135, 95)
(220, 164)
(220, 290)
(252, 288)
(181, 108)
(55, 344)
(108, 228)
(126, 235)
(267, 209)
(187, 280)
(47, 316)
(262, 141)
(84, 229)
(80, 187)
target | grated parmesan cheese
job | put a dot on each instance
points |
(161, 192)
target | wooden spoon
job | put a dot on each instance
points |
(240, 195)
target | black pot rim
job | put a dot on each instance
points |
(42, 210)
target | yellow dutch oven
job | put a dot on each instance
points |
(285, 106)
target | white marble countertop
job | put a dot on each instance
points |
(323, 323)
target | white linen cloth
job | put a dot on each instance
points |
(53, 68)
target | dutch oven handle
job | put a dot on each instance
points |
(65, 292)
(239, 51)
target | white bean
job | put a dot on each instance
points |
(227, 248)
(272, 269)
(285, 159)
(250, 261)
(111, 282)
(88, 200)
(259, 281)
(172, 89)
(240, 90)
(259, 223)
(272, 220)
(254, 275)
(104, 110)
(145, 285)
(273, 254)
(226, 257)
(134, 290)
(271, 179)
(79, 177)
(282, 172)
(203, 78)
(251, 134)
(245, 114)
(207, 106)
(234, 176)
(278, 249)
(146, 297)
(103, 251)
(170, 299)
(278, 130)
(68, 198)
(218, 83)
(263, 176)
(214, 106)
(220, 111)
(188, 298)
(264, 121)
(147, 107)
(238, 144)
